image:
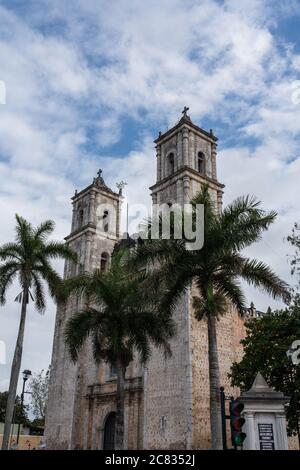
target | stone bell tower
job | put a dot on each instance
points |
(176, 390)
(186, 158)
(94, 232)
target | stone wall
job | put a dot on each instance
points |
(176, 396)
(230, 330)
(167, 391)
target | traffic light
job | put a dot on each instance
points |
(236, 423)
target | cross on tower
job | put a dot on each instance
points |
(99, 174)
(121, 185)
(185, 110)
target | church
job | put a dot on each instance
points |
(167, 401)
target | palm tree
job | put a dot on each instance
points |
(28, 260)
(214, 271)
(120, 318)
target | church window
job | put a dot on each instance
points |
(105, 221)
(163, 424)
(201, 163)
(104, 262)
(80, 218)
(113, 371)
(171, 163)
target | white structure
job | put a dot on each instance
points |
(264, 413)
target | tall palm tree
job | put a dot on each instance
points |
(28, 259)
(214, 271)
(120, 318)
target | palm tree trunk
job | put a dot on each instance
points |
(15, 372)
(214, 384)
(120, 406)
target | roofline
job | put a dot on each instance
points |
(188, 122)
(105, 189)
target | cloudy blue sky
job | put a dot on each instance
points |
(89, 83)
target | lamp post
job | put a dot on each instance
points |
(13, 424)
(26, 375)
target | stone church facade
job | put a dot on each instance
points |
(167, 401)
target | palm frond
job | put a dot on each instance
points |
(44, 230)
(241, 206)
(242, 223)
(8, 272)
(7, 267)
(77, 329)
(19, 297)
(260, 275)
(24, 232)
(68, 286)
(231, 290)
(98, 346)
(155, 251)
(203, 197)
(29, 257)
(38, 293)
(11, 251)
(142, 345)
(52, 278)
(214, 305)
(56, 249)
(174, 285)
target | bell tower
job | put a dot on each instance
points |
(176, 389)
(95, 225)
(95, 230)
(186, 158)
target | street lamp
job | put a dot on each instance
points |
(26, 374)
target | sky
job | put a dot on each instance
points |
(90, 83)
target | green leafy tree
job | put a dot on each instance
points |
(38, 386)
(20, 414)
(119, 318)
(28, 260)
(294, 239)
(215, 271)
(265, 350)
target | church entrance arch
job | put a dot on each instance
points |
(109, 431)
